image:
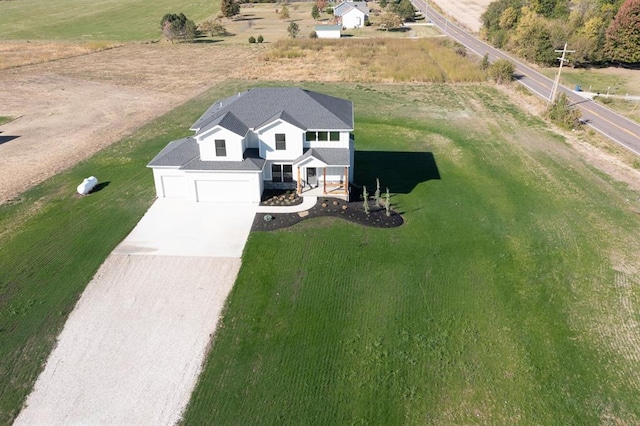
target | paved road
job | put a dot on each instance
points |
(615, 127)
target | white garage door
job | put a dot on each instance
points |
(226, 190)
(174, 186)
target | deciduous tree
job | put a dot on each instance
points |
(623, 35)
(293, 30)
(284, 12)
(176, 26)
(229, 8)
(315, 12)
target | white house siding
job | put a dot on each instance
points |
(293, 136)
(234, 144)
(335, 174)
(209, 186)
(170, 183)
(328, 33)
(354, 18)
(252, 139)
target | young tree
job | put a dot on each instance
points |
(387, 203)
(563, 114)
(623, 35)
(406, 10)
(376, 195)
(485, 62)
(315, 12)
(365, 196)
(502, 71)
(284, 12)
(293, 30)
(229, 8)
(178, 27)
(389, 20)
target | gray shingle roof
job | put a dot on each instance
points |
(251, 162)
(256, 107)
(229, 122)
(176, 153)
(184, 154)
(329, 156)
(346, 6)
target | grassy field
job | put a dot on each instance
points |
(510, 295)
(4, 120)
(83, 20)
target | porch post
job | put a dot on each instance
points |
(298, 184)
(346, 181)
(324, 180)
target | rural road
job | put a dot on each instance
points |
(612, 125)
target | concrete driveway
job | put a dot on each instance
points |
(179, 228)
(133, 347)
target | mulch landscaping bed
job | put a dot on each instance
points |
(329, 207)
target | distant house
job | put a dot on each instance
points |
(328, 31)
(262, 138)
(352, 14)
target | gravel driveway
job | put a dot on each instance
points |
(132, 349)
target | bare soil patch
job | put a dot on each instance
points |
(68, 109)
(465, 12)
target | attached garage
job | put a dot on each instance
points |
(174, 186)
(225, 190)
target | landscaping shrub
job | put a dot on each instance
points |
(252, 39)
(260, 39)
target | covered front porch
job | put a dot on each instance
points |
(317, 177)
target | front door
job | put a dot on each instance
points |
(312, 177)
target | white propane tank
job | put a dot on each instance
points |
(87, 185)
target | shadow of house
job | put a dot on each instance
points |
(401, 172)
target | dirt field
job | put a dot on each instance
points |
(465, 12)
(66, 110)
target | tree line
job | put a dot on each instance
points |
(600, 31)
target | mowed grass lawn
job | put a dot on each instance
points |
(509, 297)
(111, 20)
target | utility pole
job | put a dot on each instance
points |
(556, 83)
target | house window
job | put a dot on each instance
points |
(281, 173)
(311, 136)
(276, 172)
(334, 136)
(281, 143)
(221, 148)
(287, 173)
(323, 136)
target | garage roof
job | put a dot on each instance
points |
(184, 154)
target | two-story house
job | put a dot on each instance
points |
(280, 137)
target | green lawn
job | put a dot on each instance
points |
(508, 296)
(112, 20)
(502, 300)
(4, 120)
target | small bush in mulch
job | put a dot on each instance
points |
(275, 197)
(326, 207)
